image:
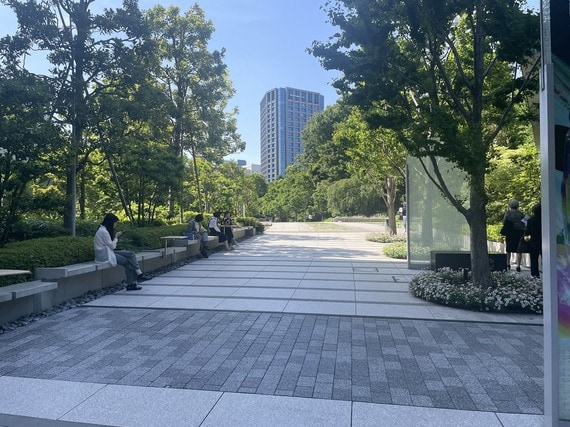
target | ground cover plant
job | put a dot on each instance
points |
(385, 237)
(514, 293)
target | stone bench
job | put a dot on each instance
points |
(22, 299)
(239, 233)
(76, 279)
(54, 285)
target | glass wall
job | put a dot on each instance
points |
(433, 223)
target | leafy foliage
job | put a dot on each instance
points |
(396, 250)
(514, 174)
(385, 237)
(27, 137)
(444, 76)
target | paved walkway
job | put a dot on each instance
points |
(293, 328)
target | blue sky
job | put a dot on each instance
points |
(265, 42)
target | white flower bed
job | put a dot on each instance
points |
(513, 292)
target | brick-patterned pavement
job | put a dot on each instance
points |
(441, 364)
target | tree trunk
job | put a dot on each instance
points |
(82, 196)
(115, 177)
(197, 177)
(70, 195)
(391, 204)
(477, 219)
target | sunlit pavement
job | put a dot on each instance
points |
(295, 327)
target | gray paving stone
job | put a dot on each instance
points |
(453, 365)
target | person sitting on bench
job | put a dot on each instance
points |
(214, 230)
(105, 242)
(195, 227)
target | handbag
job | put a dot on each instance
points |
(524, 247)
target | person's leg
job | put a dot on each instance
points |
(203, 237)
(222, 238)
(132, 267)
(123, 261)
(534, 263)
(509, 260)
(518, 258)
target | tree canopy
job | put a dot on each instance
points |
(446, 76)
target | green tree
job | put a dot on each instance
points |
(514, 174)
(197, 84)
(353, 196)
(274, 203)
(377, 156)
(133, 137)
(323, 156)
(84, 49)
(446, 76)
(26, 134)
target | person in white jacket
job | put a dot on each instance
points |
(105, 242)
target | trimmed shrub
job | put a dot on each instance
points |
(385, 237)
(64, 250)
(249, 221)
(396, 250)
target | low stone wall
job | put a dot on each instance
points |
(59, 284)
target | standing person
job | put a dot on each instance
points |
(214, 230)
(227, 226)
(404, 216)
(533, 235)
(105, 242)
(199, 233)
(513, 230)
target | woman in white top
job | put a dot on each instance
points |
(105, 242)
(214, 230)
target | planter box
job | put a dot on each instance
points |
(458, 260)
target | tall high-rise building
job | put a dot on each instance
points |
(284, 112)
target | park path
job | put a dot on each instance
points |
(296, 327)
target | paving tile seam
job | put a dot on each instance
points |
(357, 316)
(244, 286)
(331, 398)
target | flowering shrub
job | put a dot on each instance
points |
(396, 250)
(513, 292)
(385, 237)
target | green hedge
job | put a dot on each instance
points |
(65, 250)
(397, 250)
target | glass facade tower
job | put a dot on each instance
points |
(284, 112)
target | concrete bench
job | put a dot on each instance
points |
(49, 273)
(54, 285)
(22, 299)
(24, 289)
(213, 242)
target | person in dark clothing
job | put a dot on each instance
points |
(533, 235)
(227, 224)
(196, 229)
(513, 226)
